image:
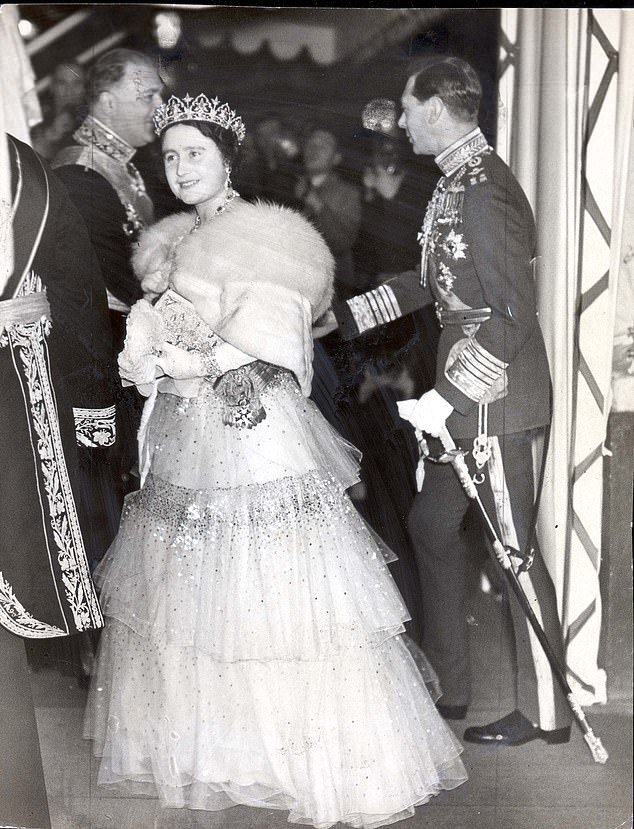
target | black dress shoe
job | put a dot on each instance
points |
(514, 730)
(452, 712)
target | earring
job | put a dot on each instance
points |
(228, 186)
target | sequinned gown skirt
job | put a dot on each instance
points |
(253, 650)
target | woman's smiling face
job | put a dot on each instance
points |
(194, 166)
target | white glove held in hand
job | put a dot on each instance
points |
(427, 414)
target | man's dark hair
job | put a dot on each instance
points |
(453, 80)
(225, 140)
(110, 68)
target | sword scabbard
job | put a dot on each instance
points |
(599, 754)
(456, 458)
(502, 555)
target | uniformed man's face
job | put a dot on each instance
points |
(415, 122)
(133, 101)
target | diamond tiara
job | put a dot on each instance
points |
(198, 109)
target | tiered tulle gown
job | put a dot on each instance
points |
(253, 650)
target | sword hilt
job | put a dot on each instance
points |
(445, 438)
(455, 457)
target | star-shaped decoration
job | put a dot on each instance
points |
(454, 246)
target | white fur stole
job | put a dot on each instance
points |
(258, 274)
(248, 243)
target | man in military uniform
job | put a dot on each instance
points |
(492, 392)
(124, 89)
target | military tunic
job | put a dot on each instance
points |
(110, 194)
(478, 253)
(478, 244)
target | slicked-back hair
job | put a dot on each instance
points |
(110, 68)
(452, 80)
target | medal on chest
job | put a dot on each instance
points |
(438, 237)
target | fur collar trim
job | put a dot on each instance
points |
(249, 242)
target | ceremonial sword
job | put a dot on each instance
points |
(456, 457)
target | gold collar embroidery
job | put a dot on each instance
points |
(461, 151)
(93, 133)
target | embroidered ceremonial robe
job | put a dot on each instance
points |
(54, 349)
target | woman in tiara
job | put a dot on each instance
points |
(253, 652)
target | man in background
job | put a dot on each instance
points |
(269, 167)
(332, 204)
(64, 112)
(123, 91)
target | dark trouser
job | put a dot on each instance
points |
(22, 791)
(436, 527)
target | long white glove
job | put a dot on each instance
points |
(428, 414)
